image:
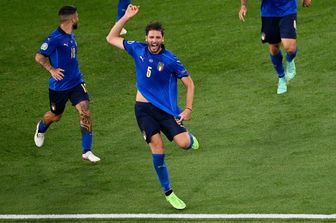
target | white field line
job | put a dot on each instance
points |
(167, 216)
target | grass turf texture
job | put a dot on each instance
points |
(260, 152)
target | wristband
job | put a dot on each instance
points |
(189, 109)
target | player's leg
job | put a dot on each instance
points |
(288, 39)
(122, 6)
(149, 126)
(158, 156)
(271, 34)
(80, 99)
(57, 102)
(186, 140)
(276, 58)
(178, 133)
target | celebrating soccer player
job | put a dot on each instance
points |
(58, 55)
(279, 26)
(156, 108)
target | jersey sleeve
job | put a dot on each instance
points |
(179, 70)
(48, 46)
(130, 46)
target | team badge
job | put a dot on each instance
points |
(160, 66)
(44, 46)
(151, 60)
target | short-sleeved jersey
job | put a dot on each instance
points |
(278, 8)
(61, 48)
(156, 75)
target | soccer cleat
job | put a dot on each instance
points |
(38, 137)
(90, 157)
(290, 70)
(176, 202)
(123, 31)
(195, 145)
(282, 85)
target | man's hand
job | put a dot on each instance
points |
(306, 3)
(242, 13)
(57, 74)
(184, 116)
(131, 11)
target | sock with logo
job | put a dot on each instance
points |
(161, 171)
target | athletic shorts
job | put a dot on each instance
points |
(152, 120)
(273, 29)
(58, 99)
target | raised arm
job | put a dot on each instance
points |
(113, 37)
(243, 10)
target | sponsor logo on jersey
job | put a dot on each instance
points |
(160, 66)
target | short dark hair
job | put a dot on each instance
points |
(67, 10)
(155, 25)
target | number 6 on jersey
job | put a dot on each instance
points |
(149, 71)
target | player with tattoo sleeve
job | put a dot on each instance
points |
(58, 55)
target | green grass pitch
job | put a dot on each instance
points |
(260, 152)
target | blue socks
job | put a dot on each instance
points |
(191, 140)
(86, 140)
(161, 171)
(277, 63)
(42, 128)
(290, 57)
(122, 6)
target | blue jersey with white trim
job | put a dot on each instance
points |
(278, 8)
(156, 75)
(61, 48)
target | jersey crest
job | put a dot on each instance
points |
(160, 66)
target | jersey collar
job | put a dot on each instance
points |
(61, 30)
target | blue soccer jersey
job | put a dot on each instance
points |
(156, 76)
(278, 8)
(61, 48)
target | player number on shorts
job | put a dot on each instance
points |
(149, 71)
